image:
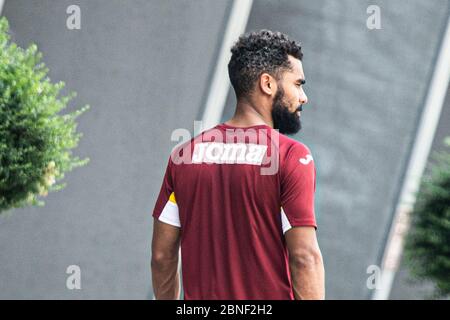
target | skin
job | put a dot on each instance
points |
(165, 247)
(305, 259)
(305, 264)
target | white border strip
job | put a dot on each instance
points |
(2, 2)
(218, 91)
(416, 166)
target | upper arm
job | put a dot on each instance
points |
(302, 242)
(166, 240)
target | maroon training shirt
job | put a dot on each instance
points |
(234, 192)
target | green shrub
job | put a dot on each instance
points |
(427, 249)
(35, 141)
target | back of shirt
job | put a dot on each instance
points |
(234, 192)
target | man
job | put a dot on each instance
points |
(244, 233)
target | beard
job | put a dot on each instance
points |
(285, 121)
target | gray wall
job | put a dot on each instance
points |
(143, 68)
(366, 90)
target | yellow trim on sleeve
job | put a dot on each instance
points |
(172, 198)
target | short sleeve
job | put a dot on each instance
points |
(166, 207)
(298, 185)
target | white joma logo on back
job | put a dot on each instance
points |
(230, 153)
(306, 160)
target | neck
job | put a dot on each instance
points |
(247, 114)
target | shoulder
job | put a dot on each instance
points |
(293, 148)
(295, 156)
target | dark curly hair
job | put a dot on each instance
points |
(258, 52)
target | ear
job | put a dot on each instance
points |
(267, 84)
